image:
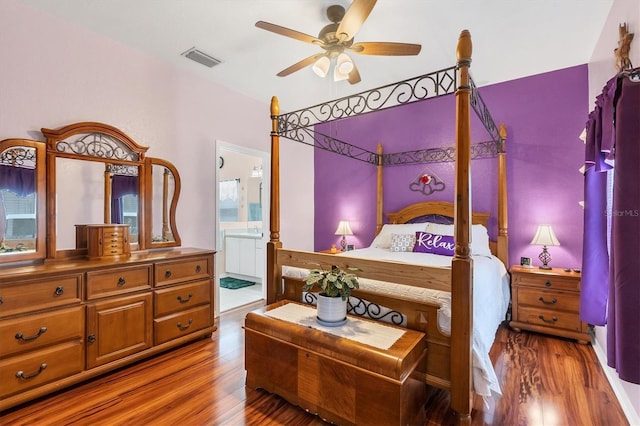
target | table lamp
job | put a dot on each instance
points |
(545, 237)
(344, 229)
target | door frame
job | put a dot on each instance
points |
(220, 147)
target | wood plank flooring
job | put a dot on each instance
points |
(545, 381)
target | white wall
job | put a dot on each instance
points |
(601, 69)
(53, 73)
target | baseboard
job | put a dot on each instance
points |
(614, 381)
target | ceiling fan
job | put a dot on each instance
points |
(337, 38)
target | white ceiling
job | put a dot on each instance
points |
(511, 38)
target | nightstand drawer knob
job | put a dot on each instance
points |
(551, 321)
(547, 283)
(550, 302)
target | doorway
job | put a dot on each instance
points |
(242, 210)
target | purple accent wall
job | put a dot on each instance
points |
(544, 115)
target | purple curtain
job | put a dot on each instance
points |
(121, 186)
(20, 180)
(623, 330)
(595, 253)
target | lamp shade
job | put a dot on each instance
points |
(344, 228)
(344, 65)
(545, 236)
(321, 66)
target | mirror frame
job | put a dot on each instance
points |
(126, 151)
(41, 205)
(169, 215)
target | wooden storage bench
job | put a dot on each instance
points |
(341, 380)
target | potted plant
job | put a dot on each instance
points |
(335, 287)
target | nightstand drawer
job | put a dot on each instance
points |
(549, 318)
(555, 300)
(547, 281)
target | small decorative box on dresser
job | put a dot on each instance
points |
(65, 322)
(547, 301)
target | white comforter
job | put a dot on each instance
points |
(490, 302)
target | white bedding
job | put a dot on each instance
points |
(490, 302)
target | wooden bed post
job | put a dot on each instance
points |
(379, 203)
(503, 220)
(274, 270)
(107, 194)
(462, 264)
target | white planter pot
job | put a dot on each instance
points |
(332, 311)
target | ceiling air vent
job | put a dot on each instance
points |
(201, 57)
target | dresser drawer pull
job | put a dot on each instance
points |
(167, 274)
(20, 336)
(198, 269)
(182, 300)
(184, 327)
(1, 301)
(547, 283)
(59, 291)
(91, 338)
(121, 281)
(551, 321)
(20, 374)
(550, 302)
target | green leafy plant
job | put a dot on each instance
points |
(334, 283)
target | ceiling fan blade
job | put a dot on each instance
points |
(354, 75)
(288, 32)
(386, 48)
(299, 65)
(353, 19)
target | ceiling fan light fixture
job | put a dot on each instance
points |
(321, 66)
(344, 64)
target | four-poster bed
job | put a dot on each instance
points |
(449, 357)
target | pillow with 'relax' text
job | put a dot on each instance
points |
(434, 243)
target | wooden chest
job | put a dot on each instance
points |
(105, 241)
(341, 380)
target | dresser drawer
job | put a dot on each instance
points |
(174, 299)
(118, 281)
(548, 299)
(547, 281)
(183, 270)
(34, 295)
(549, 318)
(37, 368)
(38, 330)
(181, 324)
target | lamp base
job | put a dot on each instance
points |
(545, 258)
(343, 243)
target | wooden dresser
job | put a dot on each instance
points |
(63, 322)
(547, 301)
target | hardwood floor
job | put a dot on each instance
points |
(545, 381)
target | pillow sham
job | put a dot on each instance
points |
(403, 242)
(479, 237)
(434, 243)
(383, 239)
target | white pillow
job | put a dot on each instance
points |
(479, 237)
(383, 239)
(403, 242)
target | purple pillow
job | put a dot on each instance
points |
(434, 243)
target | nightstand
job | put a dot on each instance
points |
(547, 301)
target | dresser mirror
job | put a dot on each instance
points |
(107, 192)
(22, 200)
(163, 190)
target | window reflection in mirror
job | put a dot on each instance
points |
(90, 192)
(18, 227)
